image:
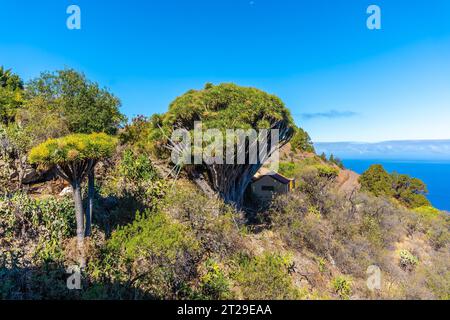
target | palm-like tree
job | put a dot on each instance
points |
(9, 79)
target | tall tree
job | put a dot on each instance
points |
(82, 104)
(11, 95)
(74, 158)
(301, 141)
(410, 191)
(224, 107)
(377, 181)
(85, 106)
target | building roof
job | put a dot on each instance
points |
(264, 172)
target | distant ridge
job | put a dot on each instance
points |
(438, 150)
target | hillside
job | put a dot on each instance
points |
(304, 246)
(176, 230)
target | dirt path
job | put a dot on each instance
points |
(348, 181)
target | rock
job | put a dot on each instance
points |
(66, 191)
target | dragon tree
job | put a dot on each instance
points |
(223, 108)
(74, 157)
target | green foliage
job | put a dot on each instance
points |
(10, 80)
(18, 141)
(410, 191)
(134, 179)
(84, 106)
(214, 284)
(297, 168)
(154, 253)
(301, 141)
(287, 169)
(322, 264)
(152, 234)
(315, 182)
(137, 168)
(265, 277)
(11, 95)
(342, 286)
(215, 225)
(377, 181)
(45, 222)
(39, 122)
(140, 134)
(327, 172)
(222, 107)
(227, 106)
(73, 148)
(336, 161)
(407, 260)
(428, 212)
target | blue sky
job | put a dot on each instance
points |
(341, 81)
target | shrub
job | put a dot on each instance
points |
(407, 260)
(216, 226)
(428, 212)
(214, 284)
(342, 286)
(154, 254)
(377, 181)
(327, 172)
(264, 277)
(409, 191)
(46, 223)
(137, 168)
(301, 141)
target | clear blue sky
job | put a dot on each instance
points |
(342, 81)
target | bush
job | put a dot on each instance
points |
(154, 254)
(137, 168)
(216, 226)
(264, 277)
(407, 260)
(214, 284)
(342, 286)
(45, 223)
(377, 181)
(301, 141)
(410, 192)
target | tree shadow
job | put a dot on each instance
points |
(115, 211)
(50, 282)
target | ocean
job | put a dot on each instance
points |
(435, 174)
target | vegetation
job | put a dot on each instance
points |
(84, 106)
(224, 107)
(408, 191)
(301, 141)
(157, 237)
(74, 157)
(11, 95)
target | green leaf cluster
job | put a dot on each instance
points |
(84, 106)
(74, 148)
(11, 95)
(409, 191)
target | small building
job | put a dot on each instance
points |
(266, 184)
